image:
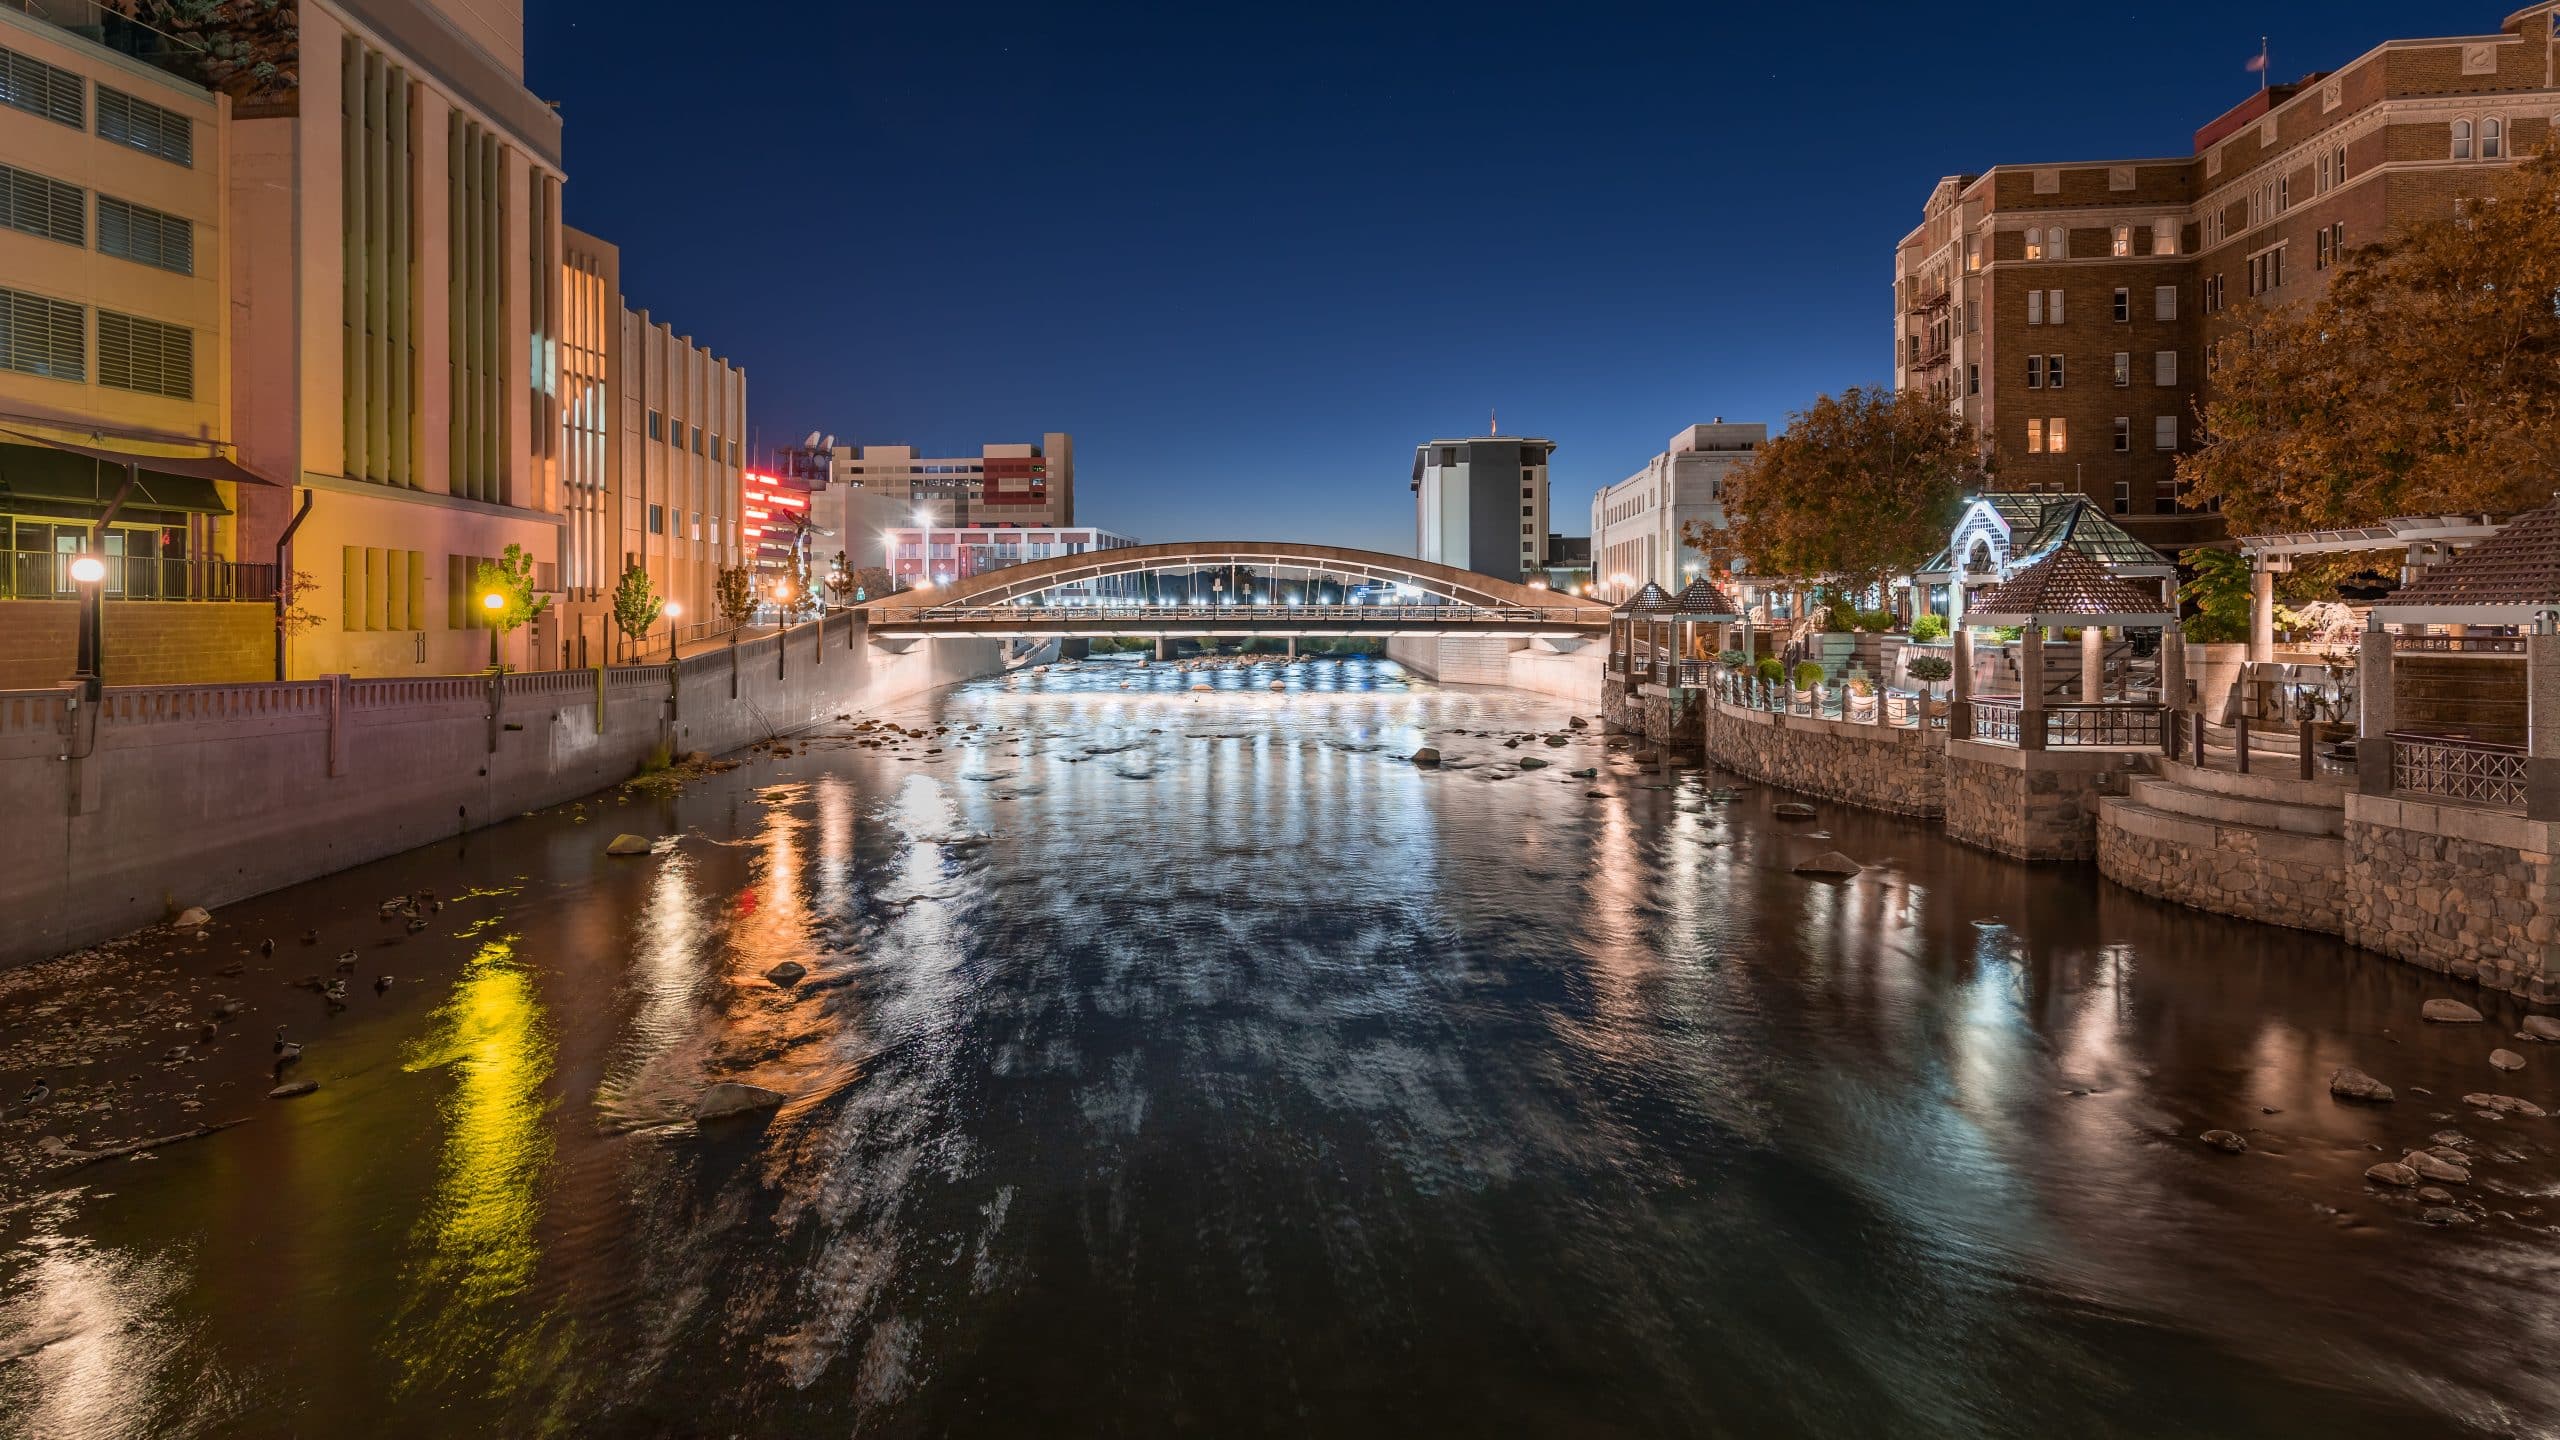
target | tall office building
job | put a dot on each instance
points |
(2068, 311)
(1481, 503)
(1639, 526)
(1004, 484)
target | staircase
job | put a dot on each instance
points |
(2254, 845)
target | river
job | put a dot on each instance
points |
(1173, 1060)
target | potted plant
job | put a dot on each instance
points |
(1808, 679)
(1929, 670)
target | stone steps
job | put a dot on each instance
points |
(2207, 837)
(2236, 811)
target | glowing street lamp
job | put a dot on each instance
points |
(89, 573)
(674, 610)
(493, 602)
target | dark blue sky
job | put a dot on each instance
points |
(1250, 255)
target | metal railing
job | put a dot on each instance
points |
(2457, 644)
(46, 575)
(2111, 725)
(2445, 768)
(1995, 722)
(1697, 674)
(1581, 617)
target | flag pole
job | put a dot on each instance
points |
(2262, 62)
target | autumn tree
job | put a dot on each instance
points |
(2427, 377)
(1861, 486)
(248, 49)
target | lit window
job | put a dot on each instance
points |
(2164, 237)
(2123, 241)
(2035, 437)
(2124, 369)
(2055, 436)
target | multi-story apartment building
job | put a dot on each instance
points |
(652, 463)
(1481, 503)
(2068, 310)
(924, 556)
(1638, 524)
(1007, 484)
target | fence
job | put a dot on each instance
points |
(46, 575)
(2445, 768)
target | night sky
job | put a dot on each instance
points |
(1250, 255)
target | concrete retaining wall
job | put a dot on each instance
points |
(1572, 674)
(2029, 804)
(1901, 772)
(162, 797)
(2467, 892)
(2265, 875)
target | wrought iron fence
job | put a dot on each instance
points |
(2105, 726)
(2446, 768)
(1697, 673)
(2458, 644)
(46, 575)
(1996, 721)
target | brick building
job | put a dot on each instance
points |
(2067, 310)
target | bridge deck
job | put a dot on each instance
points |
(1203, 621)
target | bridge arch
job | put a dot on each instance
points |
(1459, 587)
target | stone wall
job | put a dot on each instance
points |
(2466, 892)
(1621, 705)
(146, 642)
(2029, 804)
(2265, 875)
(164, 796)
(1901, 772)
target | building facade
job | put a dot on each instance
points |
(2068, 310)
(925, 556)
(1004, 484)
(1637, 525)
(1481, 503)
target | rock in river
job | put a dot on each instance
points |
(729, 1098)
(1830, 864)
(1532, 762)
(2449, 1012)
(2541, 1027)
(2432, 1167)
(2349, 1083)
(2391, 1172)
(192, 917)
(1425, 756)
(628, 845)
(2504, 1105)
(1792, 810)
(2226, 1141)
(2505, 1060)
(786, 974)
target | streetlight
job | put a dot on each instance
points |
(673, 610)
(493, 602)
(89, 573)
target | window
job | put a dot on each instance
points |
(2164, 367)
(43, 337)
(1973, 379)
(733, 454)
(146, 236)
(2461, 139)
(2035, 437)
(146, 356)
(42, 206)
(657, 519)
(697, 439)
(2320, 250)
(2493, 138)
(2121, 242)
(2053, 307)
(29, 84)
(2035, 312)
(2212, 293)
(145, 127)
(2035, 243)
(2055, 437)
(2124, 303)
(657, 426)
(2057, 243)
(2164, 302)
(2124, 496)
(2284, 193)
(2124, 369)
(2124, 433)
(1528, 510)
(2164, 236)
(1972, 253)
(2164, 432)
(2053, 372)
(2035, 372)
(381, 589)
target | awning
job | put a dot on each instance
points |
(41, 471)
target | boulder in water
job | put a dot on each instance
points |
(1830, 864)
(627, 845)
(2226, 1141)
(787, 974)
(2504, 1105)
(2449, 1012)
(2540, 1027)
(1425, 756)
(2349, 1083)
(2505, 1060)
(1792, 810)
(193, 917)
(728, 1098)
(2433, 1167)
(2391, 1172)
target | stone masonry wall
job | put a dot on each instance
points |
(146, 642)
(2040, 805)
(2264, 875)
(2467, 905)
(1897, 771)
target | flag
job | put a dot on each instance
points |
(2258, 63)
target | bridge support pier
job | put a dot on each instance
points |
(1164, 648)
(1293, 647)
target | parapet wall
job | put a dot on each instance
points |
(167, 796)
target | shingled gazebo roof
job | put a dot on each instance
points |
(2506, 579)
(1703, 599)
(2066, 588)
(1651, 600)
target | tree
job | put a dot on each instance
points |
(2427, 377)
(636, 604)
(510, 577)
(735, 593)
(796, 596)
(292, 618)
(1860, 487)
(2219, 591)
(248, 49)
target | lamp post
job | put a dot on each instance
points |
(673, 611)
(89, 573)
(493, 602)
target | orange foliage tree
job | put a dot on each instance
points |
(1861, 486)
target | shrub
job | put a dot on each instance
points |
(1839, 616)
(1878, 621)
(1861, 686)
(1808, 675)
(1734, 659)
(1930, 669)
(1771, 669)
(1930, 626)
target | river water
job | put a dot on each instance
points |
(1173, 1060)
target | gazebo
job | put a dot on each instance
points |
(2065, 589)
(2002, 532)
(1701, 613)
(2455, 706)
(1640, 634)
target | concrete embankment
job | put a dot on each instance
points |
(161, 797)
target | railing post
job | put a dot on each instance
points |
(2306, 747)
(2240, 739)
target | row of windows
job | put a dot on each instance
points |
(674, 431)
(29, 84)
(2054, 242)
(2044, 307)
(48, 337)
(2492, 139)
(2045, 372)
(39, 205)
(2053, 436)
(2266, 270)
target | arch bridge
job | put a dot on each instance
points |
(1155, 592)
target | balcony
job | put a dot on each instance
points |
(46, 575)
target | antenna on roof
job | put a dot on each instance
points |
(1493, 422)
(811, 443)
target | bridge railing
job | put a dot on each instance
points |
(1232, 614)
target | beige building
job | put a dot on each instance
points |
(1636, 524)
(652, 456)
(1003, 484)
